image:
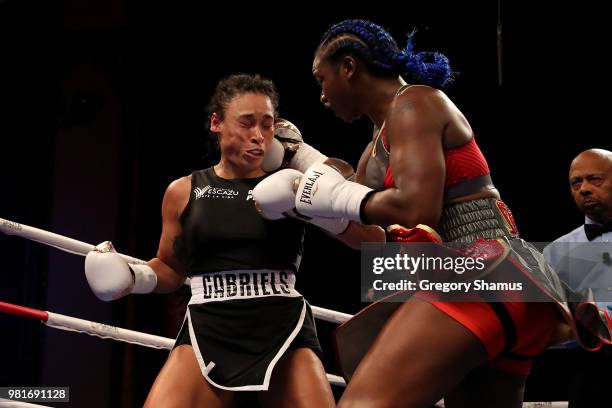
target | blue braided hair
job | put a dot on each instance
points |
(382, 55)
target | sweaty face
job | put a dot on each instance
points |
(591, 185)
(335, 89)
(245, 131)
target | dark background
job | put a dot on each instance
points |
(102, 106)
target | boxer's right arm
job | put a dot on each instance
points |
(110, 277)
(170, 270)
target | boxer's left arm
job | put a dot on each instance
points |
(275, 198)
(417, 164)
(357, 233)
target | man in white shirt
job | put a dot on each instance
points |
(589, 245)
(582, 260)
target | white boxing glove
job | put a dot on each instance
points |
(274, 195)
(275, 199)
(288, 150)
(324, 192)
(334, 226)
(110, 277)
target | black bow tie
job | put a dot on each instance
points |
(594, 230)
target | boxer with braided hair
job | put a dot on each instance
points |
(381, 54)
(423, 166)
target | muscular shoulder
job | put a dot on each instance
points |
(177, 194)
(179, 187)
(421, 97)
(422, 93)
(430, 110)
(418, 110)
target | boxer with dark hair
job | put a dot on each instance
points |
(246, 327)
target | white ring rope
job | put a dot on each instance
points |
(55, 240)
(76, 247)
(105, 331)
(330, 315)
(7, 403)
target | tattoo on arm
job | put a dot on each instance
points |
(404, 106)
(178, 248)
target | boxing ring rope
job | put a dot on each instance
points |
(7, 403)
(101, 330)
(55, 240)
(329, 315)
(76, 247)
(104, 331)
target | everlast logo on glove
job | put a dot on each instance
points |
(307, 192)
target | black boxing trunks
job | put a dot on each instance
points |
(240, 323)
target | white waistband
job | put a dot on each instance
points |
(242, 284)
